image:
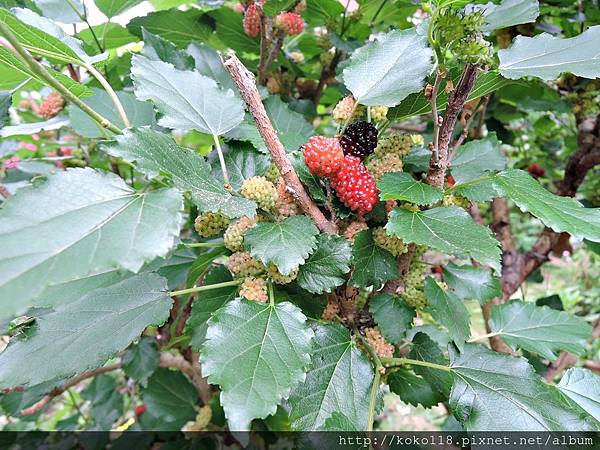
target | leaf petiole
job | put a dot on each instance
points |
(207, 287)
(391, 362)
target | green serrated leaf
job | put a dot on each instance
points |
(486, 382)
(425, 349)
(265, 346)
(417, 104)
(292, 128)
(507, 14)
(559, 213)
(380, 73)
(373, 266)
(203, 263)
(449, 311)
(21, 72)
(105, 400)
(538, 329)
(115, 36)
(413, 389)
(43, 37)
(156, 153)
(208, 63)
(272, 7)
(79, 223)
(92, 328)
(187, 100)
(447, 229)
(469, 282)
(158, 49)
(477, 158)
(141, 360)
(339, 380)
(207, 303)
(324, 270)
(286, 244)
(174, 25)
(171, 398)
(402, 186)
(583, 387)
(546, 56)
(112, 8)
(61, 11)
(36, 40)
(392, 315)
(139, 113)
(312, 305)
(231, 31)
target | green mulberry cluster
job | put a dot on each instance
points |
(379, 165)
(397, 143)
(272, 174)
(455, 200)
(277, 277)
(261, 190)
(414, 281)
(234, 234)
(392, 244)
(210, 224)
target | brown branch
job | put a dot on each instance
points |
(557, 367)
(166, 360)
(246, 84)
(437, 120)
(592, 365)
(404, 260)
(170, 361)
(326, 74)
(4, 192)
(69, 384)
(266, 27)
(456, 102)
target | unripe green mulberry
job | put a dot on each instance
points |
(415, 297)
(392, 244)
(255, 290)
(272, 174)
(277, 277)
(455, 200)
(474, 50)
(379, 165)
(399, 144)
(243, 264)
(210, 224)
(261, 190)
(379, 113)
(234, 235)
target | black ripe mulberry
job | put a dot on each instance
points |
(359, 139)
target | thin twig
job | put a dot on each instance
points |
(111, 93)
(376, 379)
(167, 360)
(36, 407)
(206, 287)
(437, 168)
(439, 76)
(246, 84)
(43, 73)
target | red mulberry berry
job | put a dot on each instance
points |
(51, 106)
(290, 22)
(323, 155)
(359, 139)
(355, 186)
(252, 20)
